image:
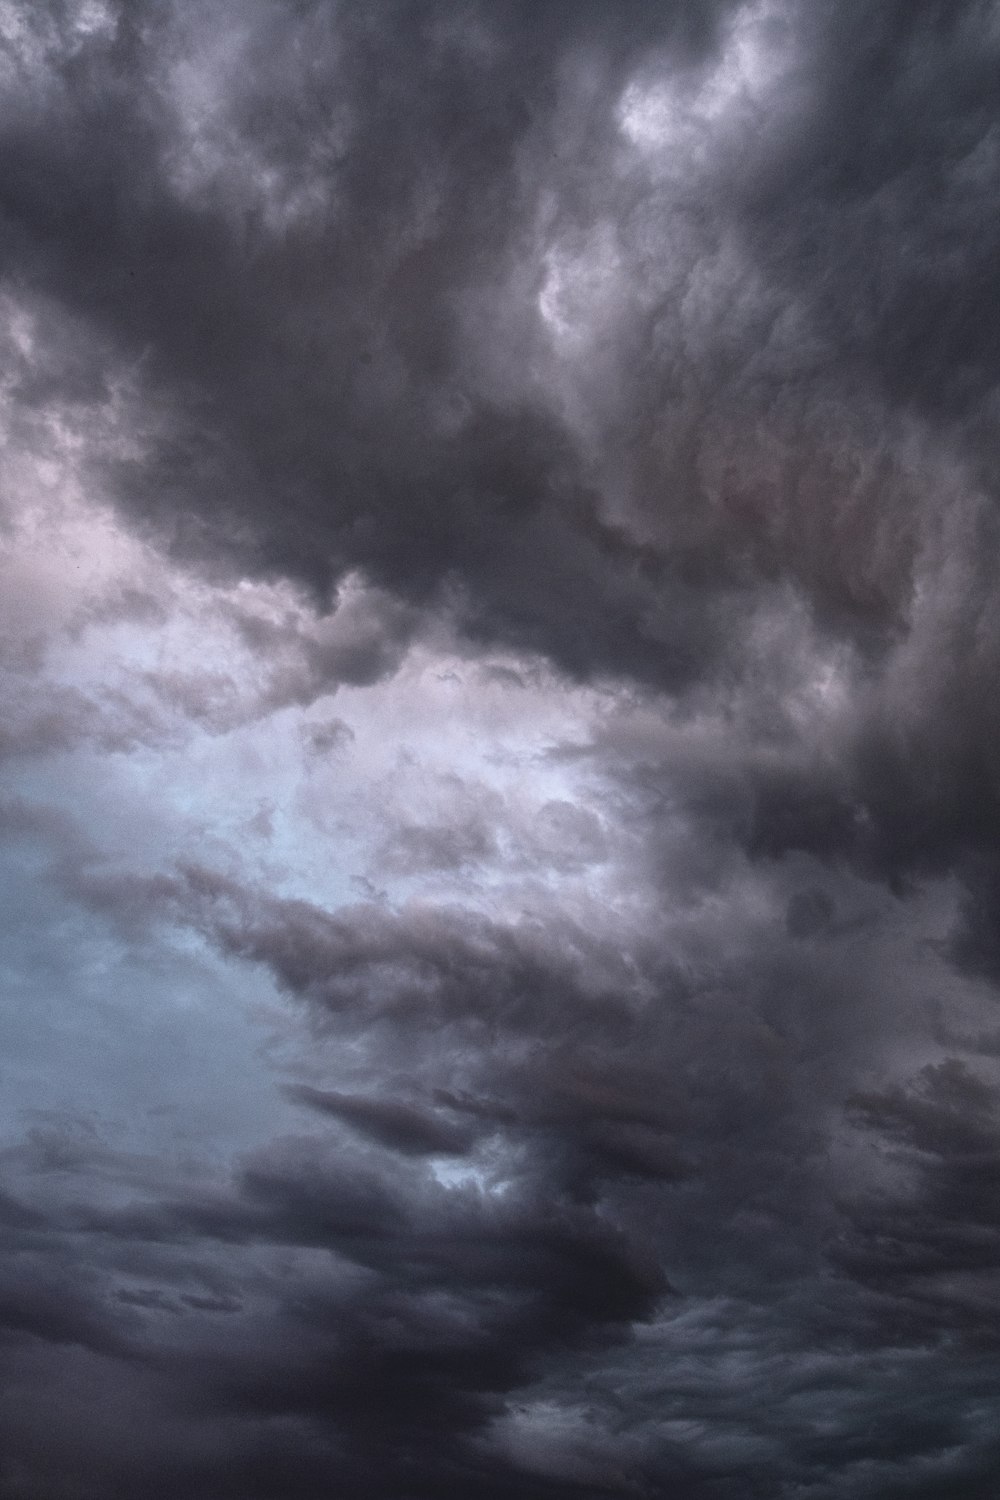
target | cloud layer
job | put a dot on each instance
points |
(500, 837)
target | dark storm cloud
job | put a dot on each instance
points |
(933, 1242)
(314, 252)
(900, 156)
(606, 1150)
(309, 359)
(398, 1126)
(391, 1347)
(320, 367)
(548, 1048)
(646, 1133)
(316, 240)
(619, 336)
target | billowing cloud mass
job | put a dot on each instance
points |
(500, 819)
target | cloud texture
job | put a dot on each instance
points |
(500, 832)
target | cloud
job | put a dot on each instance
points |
(498, 674)
(398, 1126)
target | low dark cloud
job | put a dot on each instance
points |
(399, 1126)
(499, 653)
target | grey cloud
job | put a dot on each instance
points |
(456, 1297)
(401, 1127)
(629, 1155)
(929, 1243)
(319, 419)
(639, 1138)
(328, 736)
(357, 466)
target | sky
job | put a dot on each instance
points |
(500, 749)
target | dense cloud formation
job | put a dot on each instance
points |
(500, 829)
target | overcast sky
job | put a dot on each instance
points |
(500, 750)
